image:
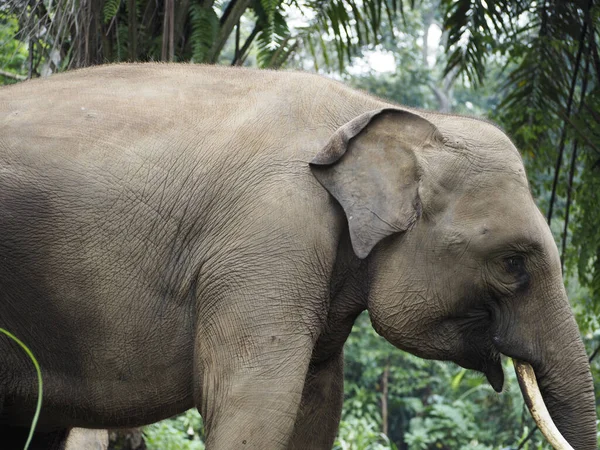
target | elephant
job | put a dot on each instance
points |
(177, 235)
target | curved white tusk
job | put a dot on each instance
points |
(537, 407)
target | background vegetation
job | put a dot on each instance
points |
(531, 66)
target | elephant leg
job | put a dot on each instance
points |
(14, 438)
(81, 438)
(252, 367)
(321, 407)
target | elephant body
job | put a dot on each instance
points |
(175, 236)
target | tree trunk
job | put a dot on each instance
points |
(132, 28)
(443, 93)
(168, 37)
(236, 11)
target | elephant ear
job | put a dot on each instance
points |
(370, 168)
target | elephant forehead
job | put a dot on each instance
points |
(469, 132)
(502, 198)
(495, 217)
(480, 146)
(489, 164)
(467, 174)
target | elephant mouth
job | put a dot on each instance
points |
(494, 374)
(533, 398)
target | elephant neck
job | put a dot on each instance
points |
(348, 296)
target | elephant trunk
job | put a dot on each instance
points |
(566, 387)
(544, 334)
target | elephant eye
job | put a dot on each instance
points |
(515, 264)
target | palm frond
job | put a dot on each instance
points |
(348, 25)
(473, 27)
(205, 26)
(273, 41)
(110, 10)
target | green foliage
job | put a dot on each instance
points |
(586, 238)
(269, 7)
(13, 53)
(121, 44)
(469, 25)
(272, 41)
(205, 26)
(347, 26)
(432, 405)
(183, 432)
(111, 7)
(360, 433)
(446, 426)
(87, 36)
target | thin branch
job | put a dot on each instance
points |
(58, 36)
(165, 32)
(526, 439)
(243, 51)
(273, 62)
(595, 54)
(286, 55)
(181, 14)
(384, 399)
(592, 41)
(573, 163)
(594, 353)
(441, 97)
(563, 252)
(543, 29)
(132, 29)
(30, 58)
(227, 12)
(593, 113)
(168, 37)
(226, 28)
(14, 76)
(236, 54)
(582, 135)
(172, 31)
(32, 35)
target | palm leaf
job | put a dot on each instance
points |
(347, 25)
(273, 41)
(110, 10)
(205, 26)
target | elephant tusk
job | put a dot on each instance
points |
(537, 407)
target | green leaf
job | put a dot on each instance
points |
(205, 26)
(274, 39)
(110, 10)
(457, 379)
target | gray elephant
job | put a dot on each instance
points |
(176, 235)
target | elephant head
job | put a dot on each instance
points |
(461, 263)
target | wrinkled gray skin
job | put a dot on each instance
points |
(166, 242)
